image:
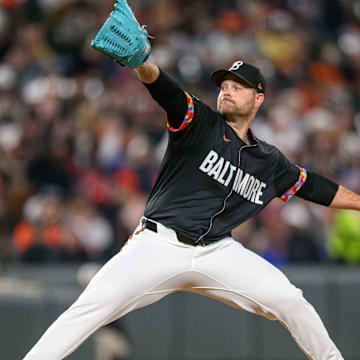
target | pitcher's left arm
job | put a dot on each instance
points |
(346, 199)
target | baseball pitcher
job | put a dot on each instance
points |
(215, 175)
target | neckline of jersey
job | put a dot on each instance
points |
(254, 141)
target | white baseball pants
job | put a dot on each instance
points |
(153, 265)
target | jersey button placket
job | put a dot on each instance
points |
(199, 240)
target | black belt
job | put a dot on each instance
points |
(151, 225)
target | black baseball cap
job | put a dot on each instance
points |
(246, 72)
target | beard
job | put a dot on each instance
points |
(232, 112)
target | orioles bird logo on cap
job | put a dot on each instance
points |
(259, 86)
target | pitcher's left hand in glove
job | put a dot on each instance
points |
(122, 38)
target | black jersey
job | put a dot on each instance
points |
(210, 181)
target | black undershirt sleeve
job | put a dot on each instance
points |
(318, 189)
(168, 94)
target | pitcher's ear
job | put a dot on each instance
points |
(259, 99)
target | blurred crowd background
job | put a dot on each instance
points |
(81, 140)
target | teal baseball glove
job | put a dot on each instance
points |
(122, 38)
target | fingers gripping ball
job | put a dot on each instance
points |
(122, 38)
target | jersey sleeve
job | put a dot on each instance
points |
(187, 118)
(169, 95)
(198, 124)
(180, 123)
(289, 179)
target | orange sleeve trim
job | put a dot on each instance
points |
(296, 187)
(188, 117)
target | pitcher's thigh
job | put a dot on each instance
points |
(246, 280)
(144, 264)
